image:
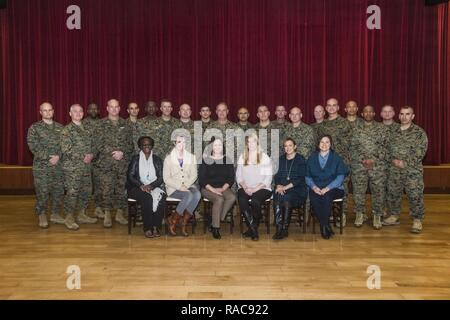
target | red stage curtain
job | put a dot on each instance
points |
(291, 52)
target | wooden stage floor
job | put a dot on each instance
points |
(33, 262)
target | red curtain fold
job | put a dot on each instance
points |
(291, 52)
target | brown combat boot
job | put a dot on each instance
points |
(172, 221)
(186, 217)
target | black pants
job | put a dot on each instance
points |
(254, 206)
(322, 204)
(145, 200)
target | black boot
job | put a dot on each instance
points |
(324, 231)
(216, 233)
(279, 222)
(287, 213)
(249, 221)
(330, 230)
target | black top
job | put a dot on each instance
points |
(216, 172)
(133, 178)
(292, 171)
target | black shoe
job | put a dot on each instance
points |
(247, 234)
(216, 233)
(284, 233)
(324, 232)
(330, 230)
(255, 236)
(279, 234)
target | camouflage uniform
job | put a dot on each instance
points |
(304, 136)
(280, 125)
(160, 131)
(44, 141)
(76, 142)
(246, 126)
(391, 128)
(134, 127)
(113, 136)
(356, 123)
(223, 129)
(189, 126)
(90, 124)
(368, 142)
(409, 145)
(268, 148)
(316, 128)
(340, 131)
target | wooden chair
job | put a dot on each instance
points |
(301, 216)
(207, 216)
(170, 208)
(337, 211)
(132, 213)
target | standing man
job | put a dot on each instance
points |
(114, 144)
(223, 124)
(351, 109)
(160, 130)
(89, 123)
(243, 114)
(340, 131)
(387, 114)
(150, 111)
(205, 116)
(186, 122)
(132, 122)
(303, 134)
(407, 149)
(280, 122)
(368, 158)
(77, 156)
(264, 130)
(319, 116)
(43, 139)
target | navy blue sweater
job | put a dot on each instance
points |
(334, 167)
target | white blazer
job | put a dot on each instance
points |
(175, 176)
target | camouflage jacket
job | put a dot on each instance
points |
(369, 141)
(134, 127)
(112, 136)
(76, 142)
(354, 124)
(160, 131)
(304, 136)
(340, 130)
(44, 141)
(409, 145)
(267, 147)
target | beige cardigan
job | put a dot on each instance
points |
(175, 176)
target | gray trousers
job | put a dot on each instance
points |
(221, 204)
(189, 200)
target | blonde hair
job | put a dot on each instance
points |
(247, 152)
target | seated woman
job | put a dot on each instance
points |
(290, 187)
(216, 176)
(325, 173)
(144, 180)
(254, 178)
(180, 175)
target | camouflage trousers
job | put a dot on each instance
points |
(412, 183)
(95, 173)
(78, 186)
(48, 182)
(361, 179)
(112, 186)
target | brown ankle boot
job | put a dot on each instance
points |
(184, 222)
(172, 220)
